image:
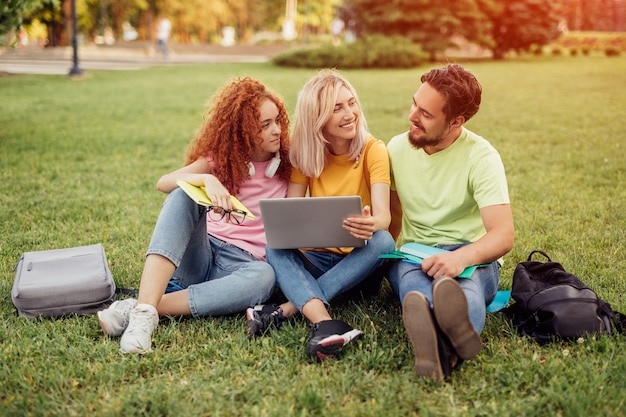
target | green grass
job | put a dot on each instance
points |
(79, 160)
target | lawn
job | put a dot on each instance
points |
(79, 161)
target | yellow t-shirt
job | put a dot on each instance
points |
(343, 176)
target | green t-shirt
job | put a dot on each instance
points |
(441, 194)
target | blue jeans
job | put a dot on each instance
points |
(220, 278)
(303, 276)
(161, 45)
(480, 289)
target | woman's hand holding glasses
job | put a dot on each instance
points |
(217, 214)
(223, 205)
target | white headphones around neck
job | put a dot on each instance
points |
(271, 169)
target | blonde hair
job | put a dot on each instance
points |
(316, 101)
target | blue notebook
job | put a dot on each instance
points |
(500, 301)
(414, 253)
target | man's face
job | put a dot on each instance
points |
(429, 127)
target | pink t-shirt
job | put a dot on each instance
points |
(250, 235)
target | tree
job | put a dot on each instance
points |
(193, 21)
(601, 15)
(429, 23)
(425, 22)
(12, 12)
(519, 24)
(496, 24)
(315, 17)
(55, 15)
(203, 20)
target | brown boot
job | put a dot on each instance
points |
(420, 327)
(452, 315)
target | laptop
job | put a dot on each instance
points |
(309, 222)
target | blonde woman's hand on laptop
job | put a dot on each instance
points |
(363, 226)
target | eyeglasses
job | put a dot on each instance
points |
(217, 213)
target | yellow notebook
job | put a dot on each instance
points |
(198, 194)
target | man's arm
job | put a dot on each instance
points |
(498, 240)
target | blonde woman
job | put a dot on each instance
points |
(333, 155)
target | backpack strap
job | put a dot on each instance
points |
(614, 321)
(620, 322)
(540, 252)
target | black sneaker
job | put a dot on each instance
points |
(262, 317)
(328, 337)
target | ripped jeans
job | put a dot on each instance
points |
(303, 276)
(221, 278)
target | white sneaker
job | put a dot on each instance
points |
(143, 320)
(114, 319)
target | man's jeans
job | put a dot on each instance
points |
(303, 276)
(480, 289)
(220, 278)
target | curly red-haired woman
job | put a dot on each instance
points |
(211, 262)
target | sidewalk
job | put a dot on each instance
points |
(126, 56)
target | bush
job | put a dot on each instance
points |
(557, 50)
(536, 50)
(612, 51)
(593, 41)
(372, 52)
(573, 51)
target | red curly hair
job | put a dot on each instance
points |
(232, 129)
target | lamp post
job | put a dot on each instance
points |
(75, 70)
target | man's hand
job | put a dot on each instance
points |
(440, 265)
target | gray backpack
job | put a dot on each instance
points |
(58, 282)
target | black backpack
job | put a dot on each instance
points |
(550, 303)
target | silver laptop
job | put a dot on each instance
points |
(309, 222)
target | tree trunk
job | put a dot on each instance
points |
(498, 53)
